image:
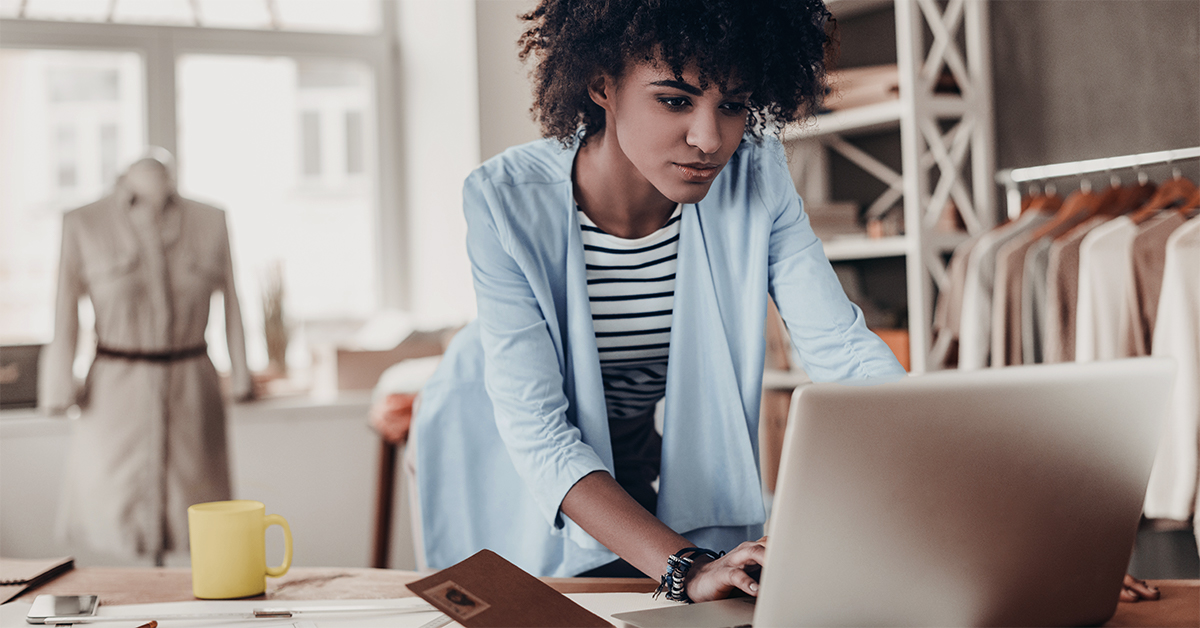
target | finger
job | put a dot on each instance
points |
(743, 581)
(747, 554)
(1127, 595)
(1140, 588)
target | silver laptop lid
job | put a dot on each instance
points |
(997, 497)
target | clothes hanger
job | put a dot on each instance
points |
(1133, 196)
(1173, 193)
(1192, 204)
(1077, 207)
(1117, 200)
(1048, 202)
(1031, 196)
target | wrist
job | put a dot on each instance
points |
(682, 566)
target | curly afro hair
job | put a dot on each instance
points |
(776, 48)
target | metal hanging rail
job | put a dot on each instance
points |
(1009, 178)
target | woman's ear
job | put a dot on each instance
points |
(600, 89)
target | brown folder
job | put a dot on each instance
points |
(486, 591)
(18, 575)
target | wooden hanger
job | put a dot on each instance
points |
(1079, 206)
(1174, 193)
(1133, 196)
(1049, 202)
(1194, 202)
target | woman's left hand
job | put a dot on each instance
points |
(1134, 590)
(727, 575)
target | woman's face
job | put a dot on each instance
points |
(676, 135)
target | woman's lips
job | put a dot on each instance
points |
(699, 172)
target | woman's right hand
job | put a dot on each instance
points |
(723, 577)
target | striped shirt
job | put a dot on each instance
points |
(631, 286)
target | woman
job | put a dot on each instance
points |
(625, 259)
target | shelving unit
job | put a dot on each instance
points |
(946, 144)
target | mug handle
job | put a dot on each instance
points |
(269, 521)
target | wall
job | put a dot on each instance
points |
(313, 464)
(504, 89)
(1082, 80)
(438, 101)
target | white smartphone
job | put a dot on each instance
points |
(61, 606)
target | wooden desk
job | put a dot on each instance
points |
(1180, 605)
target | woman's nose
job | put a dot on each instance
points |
(704, 133)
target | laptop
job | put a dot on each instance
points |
(1003, 497)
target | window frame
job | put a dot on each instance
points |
(161, 47)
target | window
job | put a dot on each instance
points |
(241, 154)
(335, 16)
(67, 117)
(283, 139)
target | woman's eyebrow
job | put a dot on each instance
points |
(696, 91)
(681, 86)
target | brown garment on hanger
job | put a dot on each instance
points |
(1006, 295)
(1062, 299)
(1145, 287)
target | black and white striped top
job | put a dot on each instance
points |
(631, 286)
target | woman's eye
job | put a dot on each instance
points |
(674, 102)
(734, 107)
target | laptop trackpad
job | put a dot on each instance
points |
(729, 613)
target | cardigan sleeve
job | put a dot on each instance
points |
(828, 331)
(522, 365)
(56, 380)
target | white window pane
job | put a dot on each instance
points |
(355, 155)
(86, 10)
(310, 137)
(67, 120)
(235, 13)
(250, 156)
(349, 16)
(175, 12)
(10, 8)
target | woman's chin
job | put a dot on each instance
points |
(687, 193)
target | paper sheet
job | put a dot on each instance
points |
(602, 604)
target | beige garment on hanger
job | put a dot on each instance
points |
(1006, 296)
(1171, 493)
(1062, 292)
(975, 329)
(947, 316)
(151, 440)
(1145, 283)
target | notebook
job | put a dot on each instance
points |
(18, 575)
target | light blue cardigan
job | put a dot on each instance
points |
(515, 415)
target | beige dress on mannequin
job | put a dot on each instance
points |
(151, 439)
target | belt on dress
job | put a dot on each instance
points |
(152, 356)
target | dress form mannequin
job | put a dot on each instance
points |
(151, 439)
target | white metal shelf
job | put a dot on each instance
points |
(846, 248)
(849, 248)
(870, 118)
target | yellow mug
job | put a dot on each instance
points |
(229, 556)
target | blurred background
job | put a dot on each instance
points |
(336, 134)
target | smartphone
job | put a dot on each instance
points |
(61, 606)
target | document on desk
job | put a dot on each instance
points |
(408, 612)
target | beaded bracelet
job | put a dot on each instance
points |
(678, 565)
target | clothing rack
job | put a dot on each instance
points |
(1011, 177)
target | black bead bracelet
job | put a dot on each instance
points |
(678, 564)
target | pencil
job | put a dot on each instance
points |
(149, 624)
